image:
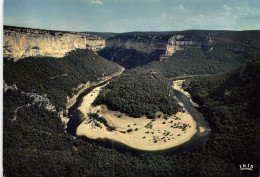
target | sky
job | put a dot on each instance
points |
(133, 15)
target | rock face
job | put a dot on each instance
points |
(139, 48)
(7, 87)
(135, 49)
(129, 49)
(25, 42)
(146, 43)
(175, 43)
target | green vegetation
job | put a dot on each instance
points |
(35, 144)
(230, 102)
(141, 91)
(56, 77)
(194, 61)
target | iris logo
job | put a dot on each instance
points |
(246, 167)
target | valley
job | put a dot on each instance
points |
(193, 93)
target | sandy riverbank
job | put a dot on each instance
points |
(81, 88)
(177, 85)
(140, 133)
(85, 106)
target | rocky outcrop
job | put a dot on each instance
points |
(9, 87)
(137, 43)
(25, 42)
(41, 100)
(175, 43)
(130, 49)
(149, 43)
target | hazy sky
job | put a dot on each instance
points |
(133, 15)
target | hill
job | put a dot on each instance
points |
(141, 91)
(57, 77)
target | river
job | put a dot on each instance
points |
(200, 137)
(76, 117)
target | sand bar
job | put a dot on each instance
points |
(201, 129)
(140, 133)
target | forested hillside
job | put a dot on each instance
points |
(57, 77)
(35, 143)
(35, 92)
(194, 61)
(230, 102)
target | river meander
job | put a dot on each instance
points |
(200, 136)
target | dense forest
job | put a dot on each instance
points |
(35, 143)
(194, 61)
(230, 102)
(141, 91)
(145, 90)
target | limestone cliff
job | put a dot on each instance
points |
(23, 42)
(169, 44)
(129, 49)
(137, 49)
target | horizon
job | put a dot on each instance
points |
(127, 31)
(133, 15)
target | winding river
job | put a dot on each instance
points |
(200, 137)
(76, 117)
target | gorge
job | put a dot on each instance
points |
(48, 74)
